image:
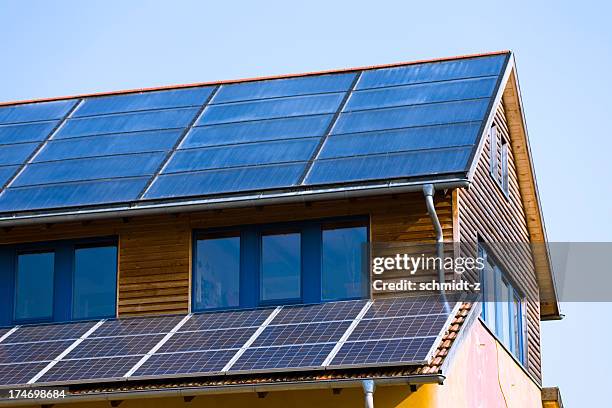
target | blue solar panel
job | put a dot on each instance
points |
(400, 140)
(224, 181)
(301, 334)
(16, 154)
(384, 352)
(137, 326)
(35, 111)
(387, 166)
(98, 369)
(207, 340)
(29, 132)
(127, 122)
(406, 306)
(187, 364)
(400, 327)
(19, 374)
(132, 165)
(271, 108)
(300, 357)
(257, 131)
(31, 352)
(284, 87)
(175, 98)
(421, 93)
(66, 331)
(437, 71)
(6, 172)
(68, 195)
(411, 116)
(242, 155)
(226, 320)
(122, 143)
(323, 312)
(115, 346)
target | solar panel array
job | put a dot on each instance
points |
(307, 337)
(379, 124)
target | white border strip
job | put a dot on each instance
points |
(346, 334)
(65, 352)
(157, 346)
(252, 339)
(8, 333)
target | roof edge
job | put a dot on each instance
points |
(252, 79)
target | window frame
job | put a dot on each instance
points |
(499, 276)
(63, 277)
(311, 234)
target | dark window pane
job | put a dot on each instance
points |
(95, 280)
(280, 267)
(217, 274)
(343, 272)
(34, 288)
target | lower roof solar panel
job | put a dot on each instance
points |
(13, 375)
(89, 370)
(296, 357)
(383, 352)
(185, 364)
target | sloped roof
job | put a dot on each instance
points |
(347, 130)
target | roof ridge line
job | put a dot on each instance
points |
(253, 79)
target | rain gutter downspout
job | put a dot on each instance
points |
(429, 191)
(368, 390)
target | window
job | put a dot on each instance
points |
(502, 307)
(217, 273)
(58, 281)
(343, 274)
(280, 267)
(34, 286)
(95, 280)
(499, 159)
(302, 262)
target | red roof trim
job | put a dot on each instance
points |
(234, 81)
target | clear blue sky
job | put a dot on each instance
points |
(564, 57)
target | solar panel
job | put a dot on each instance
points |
(115, 346)
(421, 93)
(16, 154)
(438, 71)
(27, 132)
(144, 101)
(207, 340)
(284, 87)
(94, 168)
(93, 369)
(48, 332)
(31, 112)
(106, 145)
(19, 374)
(127, 122)
(302, 357)
(257, 131)
(137, 326)
(31, 352)
(225, 181)
(387, 166)
(188, 364)
(271, 108)
(6, 172)
(70, 195)
(242, 155)
(226, 320)
(323, 312)
(400, 327)
(383, 352)
(406, 306)
(301, 334)
(400, 140)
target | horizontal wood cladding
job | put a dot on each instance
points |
(155, 251)
(484, 212)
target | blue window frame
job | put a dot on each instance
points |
(285, 263)
(58, 281)
(502, 306)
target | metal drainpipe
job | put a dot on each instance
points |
(368, 390)
(429, 191)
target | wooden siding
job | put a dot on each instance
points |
(484, 212)
(155, 251)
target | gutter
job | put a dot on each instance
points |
(190, 392)
(255, 199)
